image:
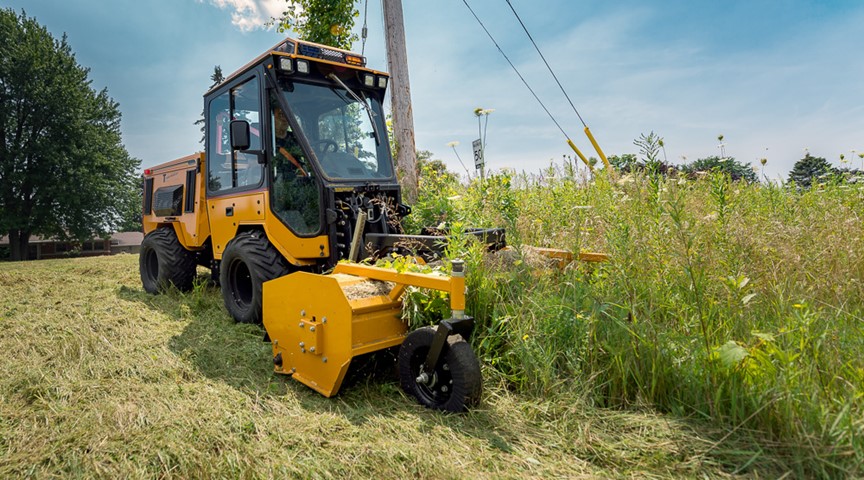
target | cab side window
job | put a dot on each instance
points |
(229, 169)
(296, 196)
(219, 156)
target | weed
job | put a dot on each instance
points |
(730, 301)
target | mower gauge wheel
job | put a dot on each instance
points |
(453, 386)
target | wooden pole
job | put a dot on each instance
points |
(400, 98)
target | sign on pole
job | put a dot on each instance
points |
(478, 154)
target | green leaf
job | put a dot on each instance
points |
(731, 353)
(767, 337)
(747, 298)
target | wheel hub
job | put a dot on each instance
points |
(435, 385)
(426, 379)
(152, 264)
(242, 284)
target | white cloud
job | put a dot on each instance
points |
(248, 15)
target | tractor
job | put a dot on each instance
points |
(295, 189)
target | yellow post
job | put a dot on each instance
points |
(597, 147)
(584, 160)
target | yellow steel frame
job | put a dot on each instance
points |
(453, 285)
(192, 228)
(253, 208)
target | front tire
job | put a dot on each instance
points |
(164, 262)
(454, 386)
(249, 261)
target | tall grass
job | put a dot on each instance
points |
(741, 304)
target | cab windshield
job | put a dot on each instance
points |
(340, 130)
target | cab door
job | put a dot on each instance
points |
(236, 180)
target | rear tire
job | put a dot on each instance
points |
(249, 261)
(456, 383)
(164, 262)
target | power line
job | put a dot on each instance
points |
(569, 141)
(515, 69)
(544, 61)
(587, 130)
(365, 31)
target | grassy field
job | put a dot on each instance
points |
(722, 339)
(741, 304)
(102, 380)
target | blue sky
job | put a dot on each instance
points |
(775, 77)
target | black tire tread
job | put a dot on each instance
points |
(470, 387)
(264, 262)
(177, 265)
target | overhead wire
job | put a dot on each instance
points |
(587, 130)
(552, 117)
(544, 61)
(516, 70)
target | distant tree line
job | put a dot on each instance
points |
(735, 169)
(812, 170)
(805, 173)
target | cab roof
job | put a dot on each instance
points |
(315, 52)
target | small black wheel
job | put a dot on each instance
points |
(454, 386)
(249, 261)
(164, 262)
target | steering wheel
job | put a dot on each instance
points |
(327, 146)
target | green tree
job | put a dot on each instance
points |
(64, 171)
(626, 162)
(321, 21)
(728, 165)
(216, 78)
(808, 169)
(650, 147)
(131, 218)
(426, 165)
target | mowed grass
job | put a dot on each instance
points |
(100, 379)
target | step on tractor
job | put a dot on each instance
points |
(295, 188)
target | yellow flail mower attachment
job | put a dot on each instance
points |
(318, 323)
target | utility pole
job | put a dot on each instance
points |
(400, 98)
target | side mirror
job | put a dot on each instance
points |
(239, 135)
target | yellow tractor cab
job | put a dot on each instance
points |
(298, 176)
